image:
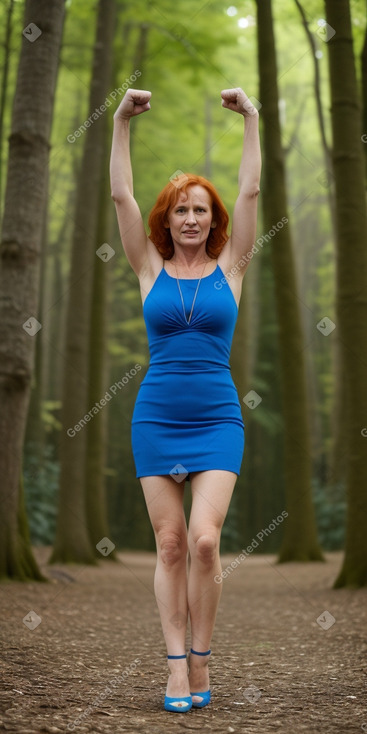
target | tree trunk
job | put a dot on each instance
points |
(97, 430)
(265, 494)
(4, 88)
(300, 538)
(54, 308)
(351, 304)
(364, 98)
(25, 204)
(34, 427)
(72, 542)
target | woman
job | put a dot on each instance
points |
(187, 418)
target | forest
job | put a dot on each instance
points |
(73, 342)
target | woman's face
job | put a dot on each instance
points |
(191, 217)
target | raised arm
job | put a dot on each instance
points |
(245, 211)
(133, 236)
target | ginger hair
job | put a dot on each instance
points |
(168, 197)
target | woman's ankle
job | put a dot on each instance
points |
(199, 659)
(177, 666)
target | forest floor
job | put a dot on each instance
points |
(273, 668)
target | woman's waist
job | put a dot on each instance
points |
(191, 382)
(187, 365)
(191, 351)
(188, 396)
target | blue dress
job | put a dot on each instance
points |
(187, 416)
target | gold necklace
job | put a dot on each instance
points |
(197, 288)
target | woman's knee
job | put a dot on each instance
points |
(205, 548)
(171, 546)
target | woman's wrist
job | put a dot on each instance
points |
(251, 118)
(119, 120)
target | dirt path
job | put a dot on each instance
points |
(273, 667)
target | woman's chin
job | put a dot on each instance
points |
(197, 239)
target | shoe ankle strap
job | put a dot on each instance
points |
(176, 657)
(195, 652)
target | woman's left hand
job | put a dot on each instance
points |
(237, 101)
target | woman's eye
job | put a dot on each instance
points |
(182, 210)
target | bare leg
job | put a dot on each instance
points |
(211, 494)
(164, 500)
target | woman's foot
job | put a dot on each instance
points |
(199, 676)
(178, 683)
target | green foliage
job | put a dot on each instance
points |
(41, 492)
(49, 420)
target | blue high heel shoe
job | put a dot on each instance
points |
(204, 695)
(171, 703)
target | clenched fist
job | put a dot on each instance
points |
(134, 102)
(237, 101)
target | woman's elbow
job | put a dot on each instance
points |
(250, 191)
(115, 196)
(118, 196)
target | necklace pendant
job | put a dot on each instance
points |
(196, 292)
(183, 304)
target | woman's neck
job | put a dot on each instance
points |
(190, 259)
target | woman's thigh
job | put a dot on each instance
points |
(211, 495)
(164, 501)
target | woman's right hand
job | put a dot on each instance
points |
(134, 102)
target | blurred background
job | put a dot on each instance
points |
(73, 333)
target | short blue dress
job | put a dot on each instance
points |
(187, 415)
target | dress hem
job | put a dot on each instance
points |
(155, 473)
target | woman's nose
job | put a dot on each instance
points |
(190, 217)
